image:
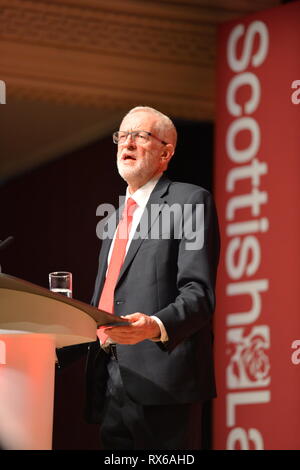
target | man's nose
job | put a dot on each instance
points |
(129, 141)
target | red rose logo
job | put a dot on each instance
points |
(249, 364)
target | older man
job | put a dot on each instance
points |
(159, 366)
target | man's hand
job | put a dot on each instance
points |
(141, 327)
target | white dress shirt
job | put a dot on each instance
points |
(141, 197)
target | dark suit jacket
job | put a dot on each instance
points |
(161, 277)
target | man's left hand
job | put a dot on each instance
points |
(141, 327)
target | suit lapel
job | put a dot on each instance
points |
(156, 197)
(146, 222)
(105, 247)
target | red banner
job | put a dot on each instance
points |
(257, 181)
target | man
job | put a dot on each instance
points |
(159, 366)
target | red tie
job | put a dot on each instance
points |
(117, 258)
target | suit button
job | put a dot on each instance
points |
(119, 302)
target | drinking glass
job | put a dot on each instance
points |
(61, 282)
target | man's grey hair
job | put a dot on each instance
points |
(165, 128)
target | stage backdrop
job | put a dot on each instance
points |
(257, 183)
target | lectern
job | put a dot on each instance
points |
(33, 322)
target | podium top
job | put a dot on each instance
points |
(27, 307)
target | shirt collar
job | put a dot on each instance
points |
(142, 194)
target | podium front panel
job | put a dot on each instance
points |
(27, 364)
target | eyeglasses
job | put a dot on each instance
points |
(140, 137)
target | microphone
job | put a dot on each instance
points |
(5, 243)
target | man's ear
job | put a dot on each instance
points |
(168, 152)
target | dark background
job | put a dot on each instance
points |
(51, 212)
